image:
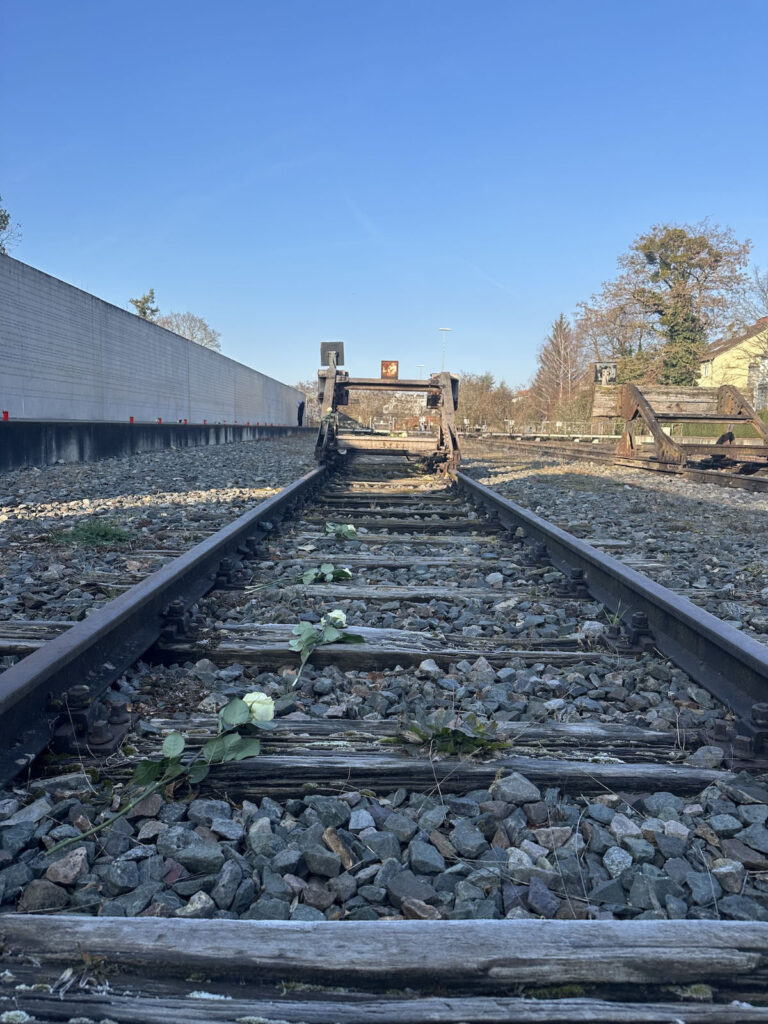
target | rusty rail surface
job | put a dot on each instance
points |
(35, 698)
(731, 666)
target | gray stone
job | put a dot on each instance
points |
(33, 812)
(741, 908)
(332, 812)
(677, 909)
(262, 841)
(425, 859)
(725, 825)
(616, 861)
(388, 870)
(13, 879)
(429, 669)
(14, 838)
(432, 818)
(360, 819)
(223, 892)
(302, 912)
(519, 864)
(119, 877)
(729, 873)
(600, 813)
(756, 837)
(622, 827)
(174, 839)
(344, 886)
(200, 905)
(706, 757)
(244, 896)
(406, 885)
(202, 858)
(609, 892)
(288, 860)
(468, 840)
(400, 826)
(383, 844)
(267, 908)
(373, 893)
(8, 807)
(482, 672)
(516, 789)
(640, 849)
(540, 900)
(138, 899)
(228, 829)
(658, 804)
(705, 888)
(321, 861)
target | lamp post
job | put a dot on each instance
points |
(443, 330)
(420, 368)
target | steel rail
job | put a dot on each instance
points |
(96, 651)
(719, 478)
(731, 666)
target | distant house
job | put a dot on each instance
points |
(741, 360)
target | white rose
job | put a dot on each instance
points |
(336, 618)
(261, 706)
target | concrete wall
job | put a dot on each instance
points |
(42, 443)
(66, 355)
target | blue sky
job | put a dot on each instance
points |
(303, 170)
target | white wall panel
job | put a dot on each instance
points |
(67, 355)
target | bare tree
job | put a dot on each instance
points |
(560, 378)
(613, 325)
(753, 303)
(192, 327)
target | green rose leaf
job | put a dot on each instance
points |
(173, 745)
(146, 772)
(330, 634)
(326, 567)
(198, 772)
(214, 750)
(352, 638)
(234, 714)
(250, 747)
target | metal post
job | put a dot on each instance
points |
(443, 329)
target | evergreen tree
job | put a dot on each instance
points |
(685, 344)
(9, 233)
(145, 306)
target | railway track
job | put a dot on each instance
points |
(533, 790)
(728, 474)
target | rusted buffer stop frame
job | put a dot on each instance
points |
(334, 386)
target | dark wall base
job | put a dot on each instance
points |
(43, 443)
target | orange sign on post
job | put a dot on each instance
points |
(390, 368)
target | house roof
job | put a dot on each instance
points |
(725, 344)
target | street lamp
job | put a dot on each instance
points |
(420, 368)
(443, 329)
